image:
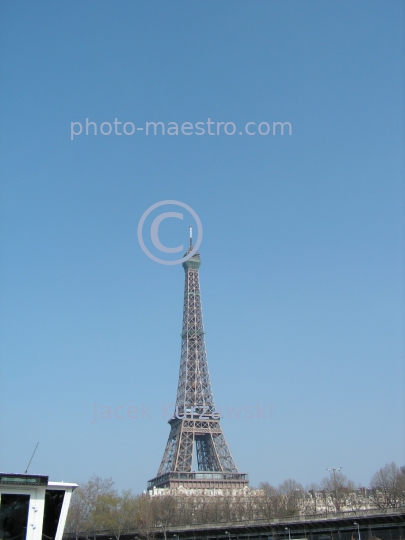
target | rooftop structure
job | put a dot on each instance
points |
(32, 508)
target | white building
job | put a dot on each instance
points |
(32, 508)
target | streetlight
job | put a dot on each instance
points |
(228, 534)
(334, 470)
(289, 532)
(358, 529)
(176, 536)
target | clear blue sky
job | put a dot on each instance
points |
(302, 256)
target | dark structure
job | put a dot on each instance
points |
(32, 508)
(195, 426)
(376, 524)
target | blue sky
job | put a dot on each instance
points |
(302, 254)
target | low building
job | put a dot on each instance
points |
(32, 508)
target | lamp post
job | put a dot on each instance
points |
(289, 532)
(228, 534)
(335, 485)
(358, 529)
(333, 471)
(176, 536)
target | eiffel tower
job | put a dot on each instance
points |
(195, 426)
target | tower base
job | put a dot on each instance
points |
(199, 480)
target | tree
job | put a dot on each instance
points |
(313, 506)
(116, 513)
(338, 487)
(270, 502)
(145, 521)
(84, 500)
(388, 485)
(268, 489)
(247, 506)
(293, 494)
(164, 512)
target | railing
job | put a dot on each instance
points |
(298, 518)
(349, 514)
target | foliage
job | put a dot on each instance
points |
(97, 506)
(338, 487)
(388, 485)
(81, 517)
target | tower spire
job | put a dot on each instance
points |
(191, 236)
(195, 427)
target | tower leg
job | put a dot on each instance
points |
(184, 451)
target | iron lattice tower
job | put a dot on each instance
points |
(195, 426)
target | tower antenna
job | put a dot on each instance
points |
(191, 235)
(29, 463)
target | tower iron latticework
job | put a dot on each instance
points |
(195, 426)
